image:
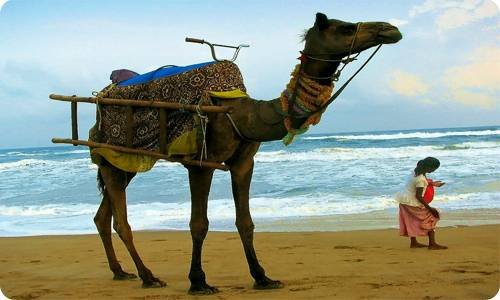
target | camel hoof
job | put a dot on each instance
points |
(124, 276)
(205, 289)
(156, 283)
(268, 284)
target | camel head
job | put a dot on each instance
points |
(335, 39)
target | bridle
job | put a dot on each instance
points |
(344, 61)
(335, 77)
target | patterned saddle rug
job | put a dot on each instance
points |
(189, 86)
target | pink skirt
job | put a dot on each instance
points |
(415, 221)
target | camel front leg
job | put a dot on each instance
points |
(241, 176)
(200, 180)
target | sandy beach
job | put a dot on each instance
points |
(369, 264)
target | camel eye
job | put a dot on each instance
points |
(347, 29)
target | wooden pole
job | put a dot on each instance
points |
(74, 122)
(206, 164)
(142, 103)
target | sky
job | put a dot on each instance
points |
(443, 73)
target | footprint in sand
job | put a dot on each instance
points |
(354, 260)
(342, 247)
(469, 281)
(34, 294)
(298, 289)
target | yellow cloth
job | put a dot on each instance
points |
(186, 144)
(233, 94)
(128, 162)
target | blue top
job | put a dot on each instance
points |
(161, 72)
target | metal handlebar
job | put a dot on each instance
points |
(212, 48)
(192, 40)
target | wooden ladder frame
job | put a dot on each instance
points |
(130, 104)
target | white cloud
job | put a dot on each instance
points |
(457, 17)
(436, 5)
(407, 84)
(2, 2)
(456, 13)
(398, 22)
(476, 83)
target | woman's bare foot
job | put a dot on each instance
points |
(436, 247)
(415, 244)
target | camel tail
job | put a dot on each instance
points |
(100, 182)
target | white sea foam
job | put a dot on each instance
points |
(465, 150)
(24, 163)
(47, 210)
(402, 135)
(47, 164)
(42, 163)
(42, 152)
(77, 218)
(71, 152)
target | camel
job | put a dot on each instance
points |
(234, 141)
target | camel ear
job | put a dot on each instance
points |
(321, 21)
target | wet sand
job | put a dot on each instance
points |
(369, 264)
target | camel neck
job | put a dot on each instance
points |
(319, 69)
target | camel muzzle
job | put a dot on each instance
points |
(389, 34)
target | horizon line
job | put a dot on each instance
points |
(306, 134)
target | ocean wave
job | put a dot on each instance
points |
(77, 218)
(402, 135)
(34, 164)
(24, 163)
(42, 152)
(47, 210)
(31, 163)
(314, 204)
(18, 153)
(262, 207)
(71, 152)
(465, 150)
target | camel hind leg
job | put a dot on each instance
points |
(115, 182)
(102, 221)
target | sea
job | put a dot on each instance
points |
(52, 190)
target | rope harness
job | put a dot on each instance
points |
(203, 124)
(306, 98)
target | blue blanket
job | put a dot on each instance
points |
(161, 72)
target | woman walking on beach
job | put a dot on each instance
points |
(416, 217)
